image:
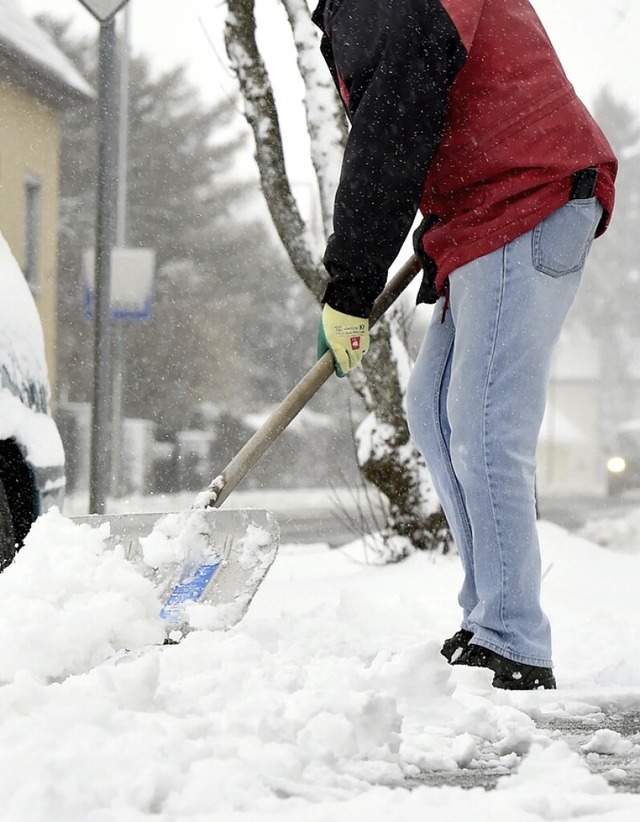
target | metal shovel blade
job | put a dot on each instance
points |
(208, 557)
(205, 564)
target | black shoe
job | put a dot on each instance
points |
(455, 645)
(509, 675)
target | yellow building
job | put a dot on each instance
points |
(36, 82)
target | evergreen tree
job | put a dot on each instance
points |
(223, 286)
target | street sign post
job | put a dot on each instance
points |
(100, 466)
(103, 9)
(108, 159)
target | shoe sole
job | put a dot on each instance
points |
(479, 657)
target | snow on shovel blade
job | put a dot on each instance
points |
(206, 557)
(205, 564)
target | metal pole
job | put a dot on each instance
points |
(123, 124)
(121, 242)
(105, 233)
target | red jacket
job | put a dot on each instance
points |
(460, 108)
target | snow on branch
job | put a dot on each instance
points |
(262, 116)
(326, 119)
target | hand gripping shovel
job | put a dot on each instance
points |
(206, 564)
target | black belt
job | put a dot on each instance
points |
(584, 183)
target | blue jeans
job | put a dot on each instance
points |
(475, 403)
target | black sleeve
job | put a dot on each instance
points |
(397, 60)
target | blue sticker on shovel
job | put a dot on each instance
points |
(189, 588)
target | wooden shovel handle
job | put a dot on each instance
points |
(298, 397)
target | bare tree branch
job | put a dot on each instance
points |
(262, 115)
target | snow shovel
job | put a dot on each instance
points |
(205, 564)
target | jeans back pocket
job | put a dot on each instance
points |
(562, 240)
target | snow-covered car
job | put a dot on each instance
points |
(31, 452)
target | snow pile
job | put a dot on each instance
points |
(67, 604)
(569, 790)
(619, 534)
(605, 741)
(177, 538)
(327, 702)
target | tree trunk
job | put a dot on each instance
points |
(262, 116)
(385, 455)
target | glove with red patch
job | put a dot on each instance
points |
(345, 336)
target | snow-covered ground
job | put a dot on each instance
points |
(320, 706)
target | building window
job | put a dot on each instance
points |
(33, 192)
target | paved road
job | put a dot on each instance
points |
(331, 528)
(622, 772)
(336, 524)
(330, 524)
(574, 512)
(335, 519)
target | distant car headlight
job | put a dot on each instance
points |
(616, 465)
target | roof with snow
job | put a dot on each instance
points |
(27, 52)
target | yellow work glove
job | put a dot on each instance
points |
(345, 336)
